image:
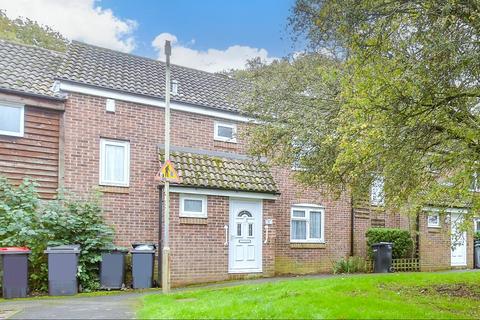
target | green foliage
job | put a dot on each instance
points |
(28, 221)
(395, 94)
(350, 265)
(26, 31)
(401, 239)
(476, 236)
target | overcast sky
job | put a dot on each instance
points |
(211, 35)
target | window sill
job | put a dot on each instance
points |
(307, 245)
(187, 220)
(11, 135)
(225, 141)
(434, 229)
(114, 189)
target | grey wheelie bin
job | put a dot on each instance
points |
(14, 261)
(143, 257)
(62, 270)
(382, 254)
(477, 254)
(112, 268)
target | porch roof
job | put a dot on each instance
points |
(217, 171)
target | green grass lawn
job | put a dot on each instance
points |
(400, 295)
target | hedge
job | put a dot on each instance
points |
(401, 239)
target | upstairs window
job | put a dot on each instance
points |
(307, 224)
(11, 119)
(225, 132)
(114, 163)
(433, 220)
(377, 193)
(475, 185)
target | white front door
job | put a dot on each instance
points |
(459, 243)
(245, 245)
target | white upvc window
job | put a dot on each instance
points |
(475, 186)
(225, 132)
(377, 192)
(12, 119)
(114, 163)
(307, 224)
(433, 220)
(476, 225)
(193, 206)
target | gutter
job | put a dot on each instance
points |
(33, 95)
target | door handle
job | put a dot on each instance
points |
(266, 235)
(226, 235)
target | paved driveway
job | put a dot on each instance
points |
(118, 306)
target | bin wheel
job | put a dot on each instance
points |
(392, 269)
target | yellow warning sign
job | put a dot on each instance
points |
(168, 173)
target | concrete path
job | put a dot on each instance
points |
(118, 306)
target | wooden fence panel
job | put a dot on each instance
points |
(399, 265)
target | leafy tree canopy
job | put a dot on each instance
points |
(389, 88)
(26, 31)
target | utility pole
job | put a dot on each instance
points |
(166, 247)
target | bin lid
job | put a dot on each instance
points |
(72, 248)
(142, 251)
(15, 250)
(381, 244)
(144, 246)
(114, 249)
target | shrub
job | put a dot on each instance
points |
(350, 265)
(476, 236)
(401, 239)
(28, 221)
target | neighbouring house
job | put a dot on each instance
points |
(94, 118)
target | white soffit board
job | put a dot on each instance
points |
(225, 193)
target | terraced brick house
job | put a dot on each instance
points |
(94, 118)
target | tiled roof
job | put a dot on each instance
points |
(28, 69)
(115, 70)
(204, 171)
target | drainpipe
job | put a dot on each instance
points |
(417, 237)
(352, 225)
(160, 244)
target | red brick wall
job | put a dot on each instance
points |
(435, 245)
(391, 220)
(197, 245)
(301, 259)
(198, 252)
(133, 211)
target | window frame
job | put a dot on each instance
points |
(126, 144)
(308, 209)
(475, 221)
(379, 182)
(233, 126)
(431, 214)
(21, 133)
(193, 214)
